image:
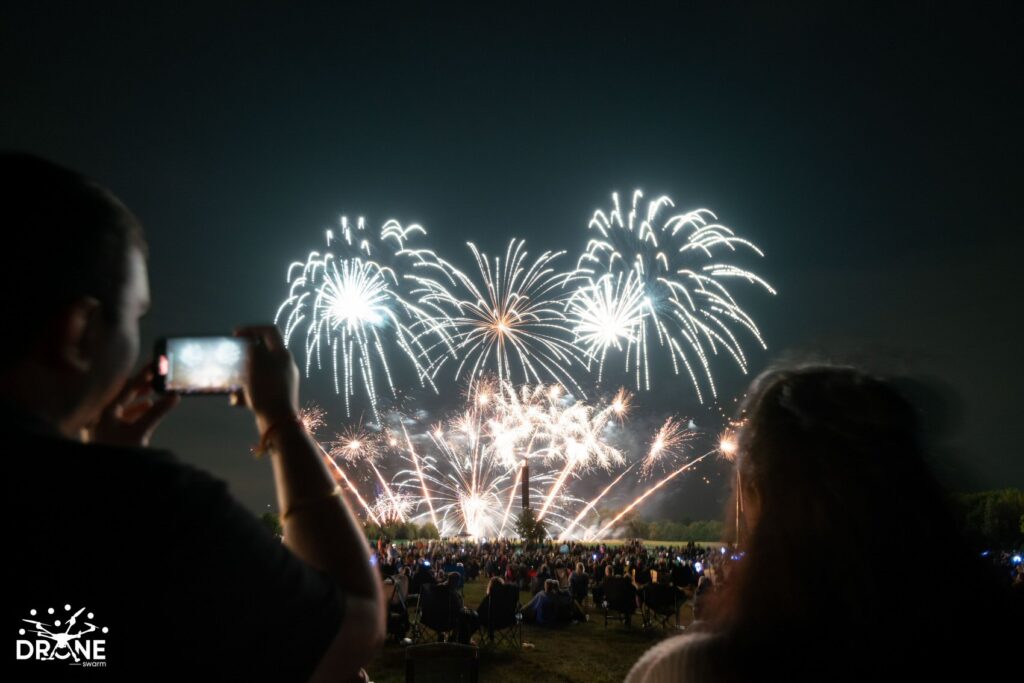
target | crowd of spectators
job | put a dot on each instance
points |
(559, 578)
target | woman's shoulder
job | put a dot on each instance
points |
(684, 658)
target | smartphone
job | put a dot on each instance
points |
(200, 365)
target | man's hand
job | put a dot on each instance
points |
(129, 420)
(271, 385)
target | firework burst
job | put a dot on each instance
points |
(393, 509)
(463, 473)
(351, 307)
(621, 404)
(510, 321)
(313, 418)
(464, 481)
(356, 444)
(667, 443)
(659, 280)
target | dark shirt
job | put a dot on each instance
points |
(578, 583)
(188, 583)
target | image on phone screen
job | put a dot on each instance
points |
(201, 365)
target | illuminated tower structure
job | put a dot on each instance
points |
(526, 485)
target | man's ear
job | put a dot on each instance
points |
(77, 334)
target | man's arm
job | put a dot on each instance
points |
(318, 525)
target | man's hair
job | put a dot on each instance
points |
(66, 237)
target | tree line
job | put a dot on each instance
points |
(989, 519)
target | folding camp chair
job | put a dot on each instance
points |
(438, 611)
(661, 602)
(501, 617)
(619, 599)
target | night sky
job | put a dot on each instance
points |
(874, 156)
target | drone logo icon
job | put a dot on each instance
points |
(66, 639)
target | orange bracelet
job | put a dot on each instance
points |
(264, 444)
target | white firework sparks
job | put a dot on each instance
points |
(464, 473)
(667, 443)
(668, 287)
(313, 418)
(391, 509)
(510, 322)
(347, 300)
(464, 484)
(606, 314)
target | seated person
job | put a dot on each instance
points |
(561, 575)
(620, 595)
(486, 601)
(642, 574)
(566, 609)
(542, 609)
(423, 576)
(599, 579)
(539, 579)
(401, 580)
(702, 596)
(465, 621)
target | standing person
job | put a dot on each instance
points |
(579, 582)
(156, 555)
(830, 459)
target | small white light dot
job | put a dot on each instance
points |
(21, 631)
(105, 629)
(57, 623)
(89, 615)
(67, 608)
(50, 610)
(32, 612)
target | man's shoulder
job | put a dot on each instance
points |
(101, 473)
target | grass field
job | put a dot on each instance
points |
(578, 653)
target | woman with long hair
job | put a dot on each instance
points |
(852, 565)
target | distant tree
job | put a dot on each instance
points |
(670, 530)
(429, 531)
(638, 528)
(992, 519)
(272, 522)
(529, 528)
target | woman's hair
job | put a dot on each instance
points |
(833, 462)
(495, 581)
(579, 567)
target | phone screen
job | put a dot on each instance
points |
(200, 365)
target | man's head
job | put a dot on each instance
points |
(77, 284)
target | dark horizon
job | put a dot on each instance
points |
(872, 153)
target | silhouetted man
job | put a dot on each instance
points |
(181, 581)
